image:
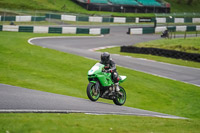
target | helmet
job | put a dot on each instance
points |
(105, 58)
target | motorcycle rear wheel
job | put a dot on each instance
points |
(120, 99)
(91, 92)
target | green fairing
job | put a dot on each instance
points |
(101, 85)
(104, 78)
(93, 82)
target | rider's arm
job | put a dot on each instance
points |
(112, 66)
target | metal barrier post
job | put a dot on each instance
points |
(185, 35)
(171, 35)
(35, 17)
(4, 16)
(49, 18)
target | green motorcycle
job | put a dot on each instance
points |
(101, 85)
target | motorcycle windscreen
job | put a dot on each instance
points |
(97, 68)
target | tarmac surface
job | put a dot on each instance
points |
(22, 100)
(85, 46)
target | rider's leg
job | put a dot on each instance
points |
(116, 81)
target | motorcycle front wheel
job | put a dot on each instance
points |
(120, 98)
(92, 94)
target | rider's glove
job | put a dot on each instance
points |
(109, 71)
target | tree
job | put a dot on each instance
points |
(189, 2)
(179, 1)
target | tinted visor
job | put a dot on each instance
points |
(105, 59)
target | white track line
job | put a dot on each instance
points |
(100, 48)
(87, 112)
(29, 41)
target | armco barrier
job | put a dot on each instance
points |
(8, 18)
(38, 18)
(152, 30)
(123, 19)
(95, 19)
(54, 16)
(60, 30)
(108, 19)
(10, 28)
(82, 18)
(95, 31)
(148, 30)
(100, 19)
(177, 20)
(22, 18)
(55, 30)
(191, 28)
(68, 18)
(82, 31)
(25, 28)
(162, 52)
(40, 29)
(188, 20)
(171, 28)
(69, 30)
(105, 30)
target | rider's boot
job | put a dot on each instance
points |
(117, 87)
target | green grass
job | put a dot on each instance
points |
(195, 33)
(49, 70)
(81, 123)
(190, 45)
(56, 5)
(116, 50)
(59, 22)
(29, 23)
(183, 7)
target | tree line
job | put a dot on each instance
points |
(189, 2)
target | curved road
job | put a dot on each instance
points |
(21, 100)
(83, 46)
(17, 99)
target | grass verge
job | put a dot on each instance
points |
(183, 6)
(57, 5)
(186, 45)
(51, 123)
(49, 70)
(190, 45)
(71, 7)
(45, 23)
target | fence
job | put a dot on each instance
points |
(184, 14)
(33, 16)
(152, 30)
(22, 18)
(60, 30)
(162, 52)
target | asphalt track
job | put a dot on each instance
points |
(85, 46)
(17, 99)
(20, 100)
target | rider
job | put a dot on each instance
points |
(110, 67)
